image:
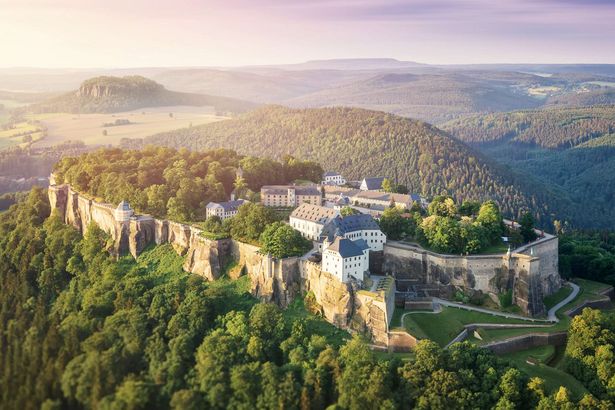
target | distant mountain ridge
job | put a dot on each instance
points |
(108, 94)
(361, 143)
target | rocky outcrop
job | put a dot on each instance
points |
(276, 281)
(347, 306)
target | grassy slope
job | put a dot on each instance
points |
(444, 326)
(552, 376)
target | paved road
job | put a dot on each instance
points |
(552, 312)
(487, 311)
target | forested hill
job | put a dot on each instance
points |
(114, 94)
(549, 128)
(362, 143)
(572, 149)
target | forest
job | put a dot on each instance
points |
(173, 184)
(360, 143)
(80, 329)
(569, 149)
(589, 255)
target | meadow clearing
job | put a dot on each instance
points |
(89, 127)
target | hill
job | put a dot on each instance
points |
(362, 143)
(115, 94)
(266, 85)
(431, 97)
(570, 148)
(602, 96)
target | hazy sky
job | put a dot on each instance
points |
(128, 33)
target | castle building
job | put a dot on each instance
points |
(333, 178)
(223, 210)
(290, 195)
(345, 258)
(123, 212)
(371, 184)
(311, 220)
(356, 227)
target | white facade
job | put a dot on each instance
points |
(345, 259)
(333, 178)
(123, 212)
(310, 220)
(375, 238)
(309, 229)
(223, 210)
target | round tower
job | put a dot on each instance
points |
(123, 212)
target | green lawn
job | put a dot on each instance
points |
(553, 377)
(557, 297)
(444, 326)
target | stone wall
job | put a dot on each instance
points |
(277, 281)
(527, 341)
(530, 272)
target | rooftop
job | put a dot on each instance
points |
(227, 206)
(314, 213)
(283, 189)
(373, 183)
(345, 247)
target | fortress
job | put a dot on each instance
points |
(529, 272)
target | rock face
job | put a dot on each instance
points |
(347, 307)
(276, 281)
(529, 272)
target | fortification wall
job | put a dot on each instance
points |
(530, 272)
(277, 281)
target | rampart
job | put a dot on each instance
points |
(277, 281)
(529, 272)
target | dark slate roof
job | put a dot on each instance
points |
(356, 222)
(331, 173)
(374, 183)
(228, 205)
(345, 247)
(340, 226)
(361, 244)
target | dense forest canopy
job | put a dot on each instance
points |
(79, 329)
(360, 143)
(572, 150)
(165, 182)
(547, 128)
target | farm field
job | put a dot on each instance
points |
(15, 136)
(89, 127)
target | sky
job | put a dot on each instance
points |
(157, 33)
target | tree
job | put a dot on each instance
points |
(490, 218)
(348, 210)
(251, 221)
(526, 229)
(443, 206)
(396, 226)
(281, 241)
(387, 185)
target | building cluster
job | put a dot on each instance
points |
(345, 242)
